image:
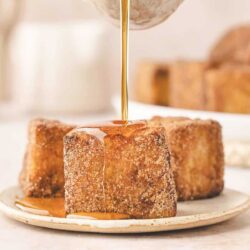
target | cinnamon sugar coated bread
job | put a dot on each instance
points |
(228, 89)
(42, 174)
(186, 85)
(152, 83)
(119, 169)
(197, 156)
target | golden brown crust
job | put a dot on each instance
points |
(186, 85)
(152, 83)
(42, 174)
(233, 47)
(127, 173)
(197, 156)
(228, 89)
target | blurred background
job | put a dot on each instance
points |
(63, 57)
(60, 59)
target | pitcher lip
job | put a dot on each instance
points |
(168, 7)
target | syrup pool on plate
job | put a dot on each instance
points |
(55, 207)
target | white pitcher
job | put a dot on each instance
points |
(143, 13)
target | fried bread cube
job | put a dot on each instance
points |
(43, 172)
(119, 168)
(187, 86)
(152, 83)
(197, 156)
(233, 47)
(228, 89)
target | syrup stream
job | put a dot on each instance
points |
(125, 10)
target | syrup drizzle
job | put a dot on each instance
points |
(125, 16)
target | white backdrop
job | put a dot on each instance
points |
(189, 33)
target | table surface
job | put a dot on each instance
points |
(233, 234)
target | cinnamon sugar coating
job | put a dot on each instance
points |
(42, 174)
(122, 170)
(197, 156)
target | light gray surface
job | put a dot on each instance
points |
(233, 234)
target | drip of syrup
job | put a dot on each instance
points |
(125, 12)
(100, 216)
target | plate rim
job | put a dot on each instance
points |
(125, 226)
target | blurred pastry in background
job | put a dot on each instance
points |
(228, 89)
(233, 47)
(228, 80)
(186, 85)
(152, 83)
(221, 83)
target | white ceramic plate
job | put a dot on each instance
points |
(190, 215)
